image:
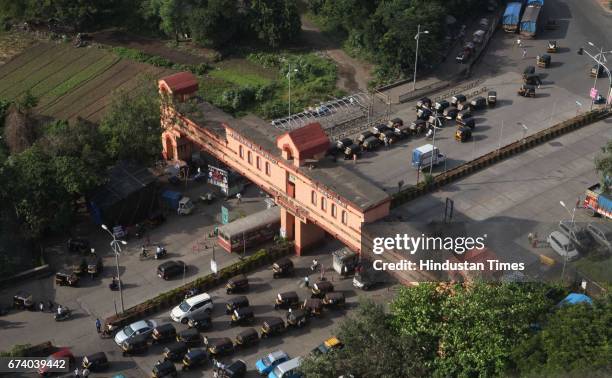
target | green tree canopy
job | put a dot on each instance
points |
(469, 330)
(372, 348)
(603, 165)
(132, 126)
(215, 24)
(275, 21)
(576, 340)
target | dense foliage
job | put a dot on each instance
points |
(603, 165)
(372, 348)
(212, 23)
(384, 31)
(480, 329)
(575, 341)
(68, 160)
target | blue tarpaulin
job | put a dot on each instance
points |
(575, 298)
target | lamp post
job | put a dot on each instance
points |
(571, 213)
(433, 142)
(416, 58)
(289, 77)
(116, 246)
(600, 58)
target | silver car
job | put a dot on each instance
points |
(137, 328)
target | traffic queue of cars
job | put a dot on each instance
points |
(193, 350)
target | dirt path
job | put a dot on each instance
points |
(146, 45)
(353, 74)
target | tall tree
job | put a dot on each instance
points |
(275, 21)
(469, 330)
(603, 165)
(132, 124)
(372, 348)
(214, 24)
(575, 341)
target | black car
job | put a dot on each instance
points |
(200, 321)
(170, 269)
(163, 369)
(95, 362)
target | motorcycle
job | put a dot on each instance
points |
(191, 292)
(114, 285)
(160, 252)
(144, 253)
(64, 315)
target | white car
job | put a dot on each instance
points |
(191, 306)
(562, 245)
(138, 328)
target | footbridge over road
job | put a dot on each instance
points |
(316, 195)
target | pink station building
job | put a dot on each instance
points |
(316, 196)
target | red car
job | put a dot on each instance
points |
(60, 354)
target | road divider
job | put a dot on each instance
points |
(173, 297)
(412, 192)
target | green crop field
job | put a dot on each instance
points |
(70, 82)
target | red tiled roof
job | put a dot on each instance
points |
(309, 140)
(181, 83)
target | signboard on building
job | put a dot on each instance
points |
(218, 177)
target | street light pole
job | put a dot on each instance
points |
(116, 247)
(572, 214)
(598, 59)
(416, 57)
(597, 72)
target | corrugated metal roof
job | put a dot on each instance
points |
(251, 221)
(181, 83)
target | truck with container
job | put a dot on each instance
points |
(529, 22)
(177, 202)
(512, 17)
(597, 202)
(426, 156)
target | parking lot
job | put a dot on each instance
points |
(495, 127)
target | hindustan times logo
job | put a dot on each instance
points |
(412, 244)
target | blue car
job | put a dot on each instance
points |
(266, 364)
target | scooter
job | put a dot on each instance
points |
(160, 252)
(65, 315)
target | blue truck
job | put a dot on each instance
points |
(539, 3)
(529, 22)
(512, 17)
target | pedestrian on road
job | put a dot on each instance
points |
(306, 283)
(519, 43)
(530, 238)
(524, 53)
(41, 306)
(98, 325)
(76, 373)
(50, 306)
(238, 197)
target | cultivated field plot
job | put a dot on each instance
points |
(71, 82)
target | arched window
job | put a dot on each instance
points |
(313, 197)
(344, 217)
(249, 157)
(241, 152)
(333, 210)
(323, 204)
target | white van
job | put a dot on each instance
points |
(562, 245)
(190, 306)
(287, 369)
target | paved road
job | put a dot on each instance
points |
(525, 188)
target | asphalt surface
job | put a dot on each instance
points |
(563, 94)
(525, 189)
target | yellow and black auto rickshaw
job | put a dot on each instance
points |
(527, 90)
(463, 134)
(553, 47)
(543, 61)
